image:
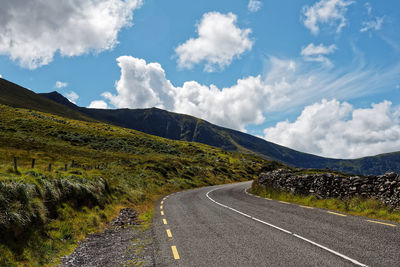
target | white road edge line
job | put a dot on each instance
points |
(286, 231)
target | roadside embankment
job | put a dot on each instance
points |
(385, 188)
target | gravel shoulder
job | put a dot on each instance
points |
(125, 242)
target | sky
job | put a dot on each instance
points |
(318, 76)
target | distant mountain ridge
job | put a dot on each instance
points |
(184, 127)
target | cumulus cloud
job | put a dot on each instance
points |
(318, 53)
(59, 84)
(1, 76)
(219, 41)
(337, 129)
(72, 96)
(32, 31)
(254, 5)
(286, 87)
(99, 104)
(141, 85)
(331, 12)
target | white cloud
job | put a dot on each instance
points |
(219, 42)
(72, 96)
(141, 85)
(331, 12)
(254, 5)
(368, 7)
(313, 50)
(99, 104)
(337, 129)
(32, 31)
(375, 24)
(59, 84)
(1, 76)
(285, 88)
(318, 53)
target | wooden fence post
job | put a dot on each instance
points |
(50, 167)
(66, 167)
(15, 164)
(72, 164)
(33, 163)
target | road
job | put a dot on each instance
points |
(225, 226)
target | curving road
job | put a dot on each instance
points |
(225, 226)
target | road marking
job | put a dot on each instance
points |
(306, 207)
(169, 233)
(164, 221)
(175, 252)
(388, 224)
(162, 213)
(285, 231)
(338, 214)
(162, 202)
(284, 202)
(161, 207)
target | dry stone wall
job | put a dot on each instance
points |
(385, 188)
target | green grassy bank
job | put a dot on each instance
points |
(358, 206)
(96, 169)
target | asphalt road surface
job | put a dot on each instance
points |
(225, 226)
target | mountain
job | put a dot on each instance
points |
(183, 127)
(188, 128)
(16, 96)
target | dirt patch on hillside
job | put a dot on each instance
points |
(124, 243)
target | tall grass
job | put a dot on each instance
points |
(43, 214)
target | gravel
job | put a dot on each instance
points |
(124, 243)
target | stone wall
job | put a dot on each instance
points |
(385, 188)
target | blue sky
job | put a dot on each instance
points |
(318, 76)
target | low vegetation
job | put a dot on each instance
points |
(358, 206)
(95, 170)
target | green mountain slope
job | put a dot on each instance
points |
(84, 172)
(16, 96)
(183, 127)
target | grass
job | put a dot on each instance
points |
(357, 206)
(44, 213)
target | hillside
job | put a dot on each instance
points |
(84, 172)
(16, 96)
(183, 127)
(187, 128)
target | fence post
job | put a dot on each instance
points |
(50, 167)
(33, 163)
(72, 164)
(15, 164)
(66, 167)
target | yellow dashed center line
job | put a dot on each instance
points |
(284, 202)
(164, 221)
(388, 224)
(162, 202)
(169, 233)
(162, 213)
(306, 207)
(338, 214)
(175, 252)
(161, 207)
